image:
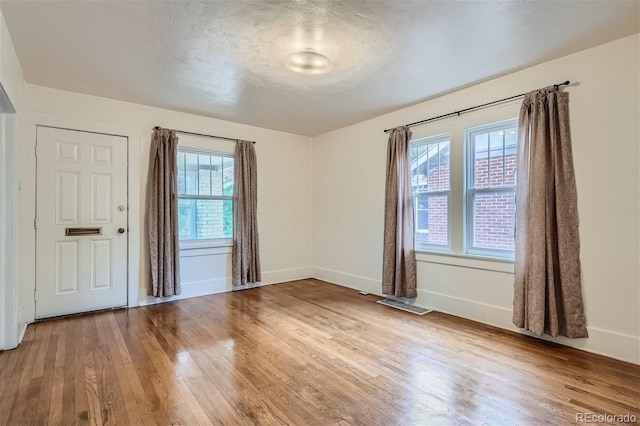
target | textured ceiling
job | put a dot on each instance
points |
(224, 59)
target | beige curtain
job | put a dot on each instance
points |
(398, 262)
(548, 295)
(163, 214)
(245, 255)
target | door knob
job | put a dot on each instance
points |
(120, 230)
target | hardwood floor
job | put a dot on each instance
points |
(305, 352)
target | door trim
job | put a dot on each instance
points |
(134, 134)
(84, 131)
(9, 333)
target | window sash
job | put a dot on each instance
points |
(416, 230)
(192, 223)
(470, 157)
(206, 197)
(193, 197)
(472, 248)
(428, 143)
(182, 169)
(471, 191)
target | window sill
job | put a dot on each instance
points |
(205, 247)
(466, 261)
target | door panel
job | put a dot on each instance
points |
(100, 265)
(81, 259)
(67, 192)
(100, 198)
(67, 271)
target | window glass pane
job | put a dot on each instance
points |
(227, 218)
(438, 218)
(204, 174)
(191, 173)
(205, 219)
(413, 163)
(201, 177)
(430, 174)
(421, 205)
(494, 220)
(420, 168)
(430, 165)
(481, 165)
(185, 216)
(227, 176)
(216, 175)
(433, 170)
(431, 219)
(181, 177)
(444, 161)
(510, 157)
(510, 140)
(496, 144)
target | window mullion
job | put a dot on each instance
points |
(489, 160)
(504, 132)
(211, 174)
(198, 174)
(439, 163)
(488, 210)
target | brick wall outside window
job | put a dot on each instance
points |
(209, 213)
(495, 212)
(438, 211)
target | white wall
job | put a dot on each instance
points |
(348, 197)
(284, 190)
(344, 212)
(12, 81)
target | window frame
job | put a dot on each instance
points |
(470, 191)
(431, 247)
(197, 243)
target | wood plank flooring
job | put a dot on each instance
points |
(300, 353)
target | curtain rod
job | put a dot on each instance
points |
(203, 135)
(473, 108)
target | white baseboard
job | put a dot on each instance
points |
(22, 331)
(624, 347)
(621, 346)
(286, 275)
(356, 282)
(470, 309)
(222, 285)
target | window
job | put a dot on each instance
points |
(491, 189)
(205, 194)
(430, 186)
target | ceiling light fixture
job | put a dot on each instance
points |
(308, 62)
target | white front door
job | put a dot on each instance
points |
(81, 225)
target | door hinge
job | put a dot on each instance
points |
(35, 150)
(35, 223)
